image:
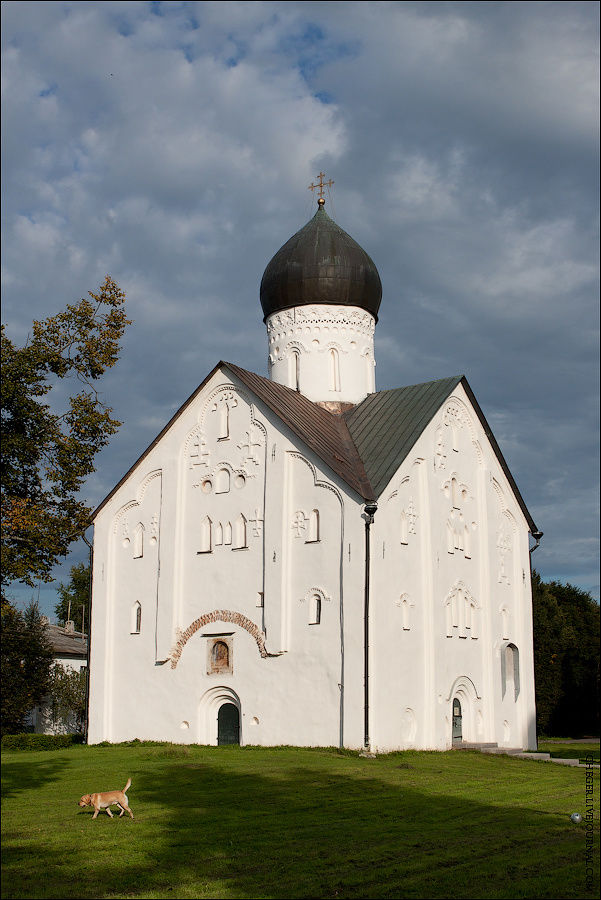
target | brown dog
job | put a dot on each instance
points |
(107, 799)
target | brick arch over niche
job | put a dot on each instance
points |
(219, 615)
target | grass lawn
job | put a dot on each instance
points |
(230, 822)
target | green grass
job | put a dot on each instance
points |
(287, 823)
(570, 751)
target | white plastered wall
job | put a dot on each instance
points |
(451, 590)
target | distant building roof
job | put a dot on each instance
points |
(66, 643)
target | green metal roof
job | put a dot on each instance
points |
(385, 426)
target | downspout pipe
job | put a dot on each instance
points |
(537, 535)
(89, 641)
(368, 516)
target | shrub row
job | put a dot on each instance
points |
(40, 741)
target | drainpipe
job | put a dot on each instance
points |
(89, 642)
(537, 535)
(368, 516)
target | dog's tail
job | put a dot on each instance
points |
(127, 785)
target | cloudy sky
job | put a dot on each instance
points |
(171, 145)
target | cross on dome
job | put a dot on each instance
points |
(321, 184)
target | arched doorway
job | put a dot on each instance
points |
(228, 724)
(457, 722)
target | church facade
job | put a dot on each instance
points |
(303, 560)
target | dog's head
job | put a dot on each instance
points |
(86, 800)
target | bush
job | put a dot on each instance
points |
(40, 741)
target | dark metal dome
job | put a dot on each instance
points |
(321, 263)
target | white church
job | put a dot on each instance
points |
(304, 560)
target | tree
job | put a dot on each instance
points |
(74, 600)
(548, 623)
(577, 712)
(67, 693)
(566, 658)
(48, 453)
(26, 657)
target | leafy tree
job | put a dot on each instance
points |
(577, 711)
(46, 451)
(566, 658)
(67, 688)
(26, 657)
(548, 623)
(74, 600)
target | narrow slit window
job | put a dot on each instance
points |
(136, 618)
(240, 533)
(313, 535)
(206, 543)
(139, 541)
(294, 363)
(334, 371)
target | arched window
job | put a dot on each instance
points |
(222, 481)
(206, 544)
(510, 670)
(136, 618)
(227, 533)
(240, 533)
(334, 370)
(218, 534)
(315, 609)
(139, 541)
(294, 364)
(313, 535)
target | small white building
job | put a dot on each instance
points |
(70, 650)
(302, 560)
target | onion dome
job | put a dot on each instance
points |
(322, 264)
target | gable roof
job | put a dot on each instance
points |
(365, 445)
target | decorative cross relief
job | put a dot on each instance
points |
(223, 405)
(458, 529)
(154, 529)
(503, 547)
(257, 523)
(299, 523)
(440, 451)
(408, 521)
(249, 455)
(199, 455)
(125, 533)
(456, 491)
(411, 516)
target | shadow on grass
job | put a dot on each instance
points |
(208, 827)
(18, 778)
